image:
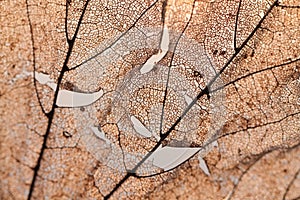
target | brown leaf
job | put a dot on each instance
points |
(211, 79)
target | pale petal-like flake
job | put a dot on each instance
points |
(139, 127)
(170, 157)
(66, 98)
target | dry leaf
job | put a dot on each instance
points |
(114, 99)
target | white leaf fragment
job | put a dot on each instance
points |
(215, 143)
(203, 165)
(44, 79)
(170, 157)
(165, 40)
(148, 66)
(188, 99)
(100, 134)
(66, 98)
(139, 127)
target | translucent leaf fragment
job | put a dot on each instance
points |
(188, 99)
(139, 127)
(100, 134)
(66, 98)
(170, 157)
(148, 66)
(215, 144)
(203, 165)
(44, 79)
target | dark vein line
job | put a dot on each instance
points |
(163, 19)
(165, 3)
(163, 12)
(118, 186)
(236, 25)
(117, 39)
(290, 184)
(253, 73)
(261, 125)
(33, 58)
(50, 115)
(169, 70)
(66, 20)
(289, 6)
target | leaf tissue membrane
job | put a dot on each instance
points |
(155, 99)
